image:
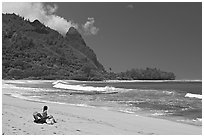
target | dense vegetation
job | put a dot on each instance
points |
(143, 74)
(30, 50)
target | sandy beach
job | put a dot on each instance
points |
(75, 120)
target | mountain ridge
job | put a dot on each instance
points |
(32, 50)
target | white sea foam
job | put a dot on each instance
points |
(77, 105)
(16, 82)
(26, 98)
(82, 87)
(32, 98)
(132, 101)
(32, 89)
(148, 90)
(193, 95)
(126, 111)
(199, 119)
(184, 109)
(158, 114)
(81, 105)
(59, 81)
(8, 86)
(62, 95)
(36, 96)
(168, 92)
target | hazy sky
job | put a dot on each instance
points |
(132, 35)
(138, 35)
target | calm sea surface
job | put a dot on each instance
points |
(179, 101)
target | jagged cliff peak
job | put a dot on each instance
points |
(73, 33)
(72, 30)
(42, 53)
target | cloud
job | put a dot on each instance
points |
(43, 12)
(130, 6)
(89, 28)
(51, 9)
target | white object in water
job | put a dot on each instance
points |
(193, 95)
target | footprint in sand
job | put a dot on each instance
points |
(150, 134)
(42, 129)
(140, 132)
(14, 130)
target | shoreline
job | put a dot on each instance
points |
(111, 81)
(75, 120)
(103, 108)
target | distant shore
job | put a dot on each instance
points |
(179, 80)
(72, 120)
(153, 80)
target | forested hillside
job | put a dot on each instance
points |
(32, 50)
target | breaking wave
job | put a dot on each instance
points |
(83, 87)
(190, 95)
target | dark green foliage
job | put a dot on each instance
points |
(30, 50)
(146, 74)
(75, 40)
(15, 73)
(39, 27)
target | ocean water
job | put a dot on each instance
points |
(179, 101)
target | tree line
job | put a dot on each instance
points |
(142, 74)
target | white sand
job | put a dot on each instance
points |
(17, 119)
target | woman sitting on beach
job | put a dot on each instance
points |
(44, 117)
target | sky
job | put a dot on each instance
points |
(124, 35)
